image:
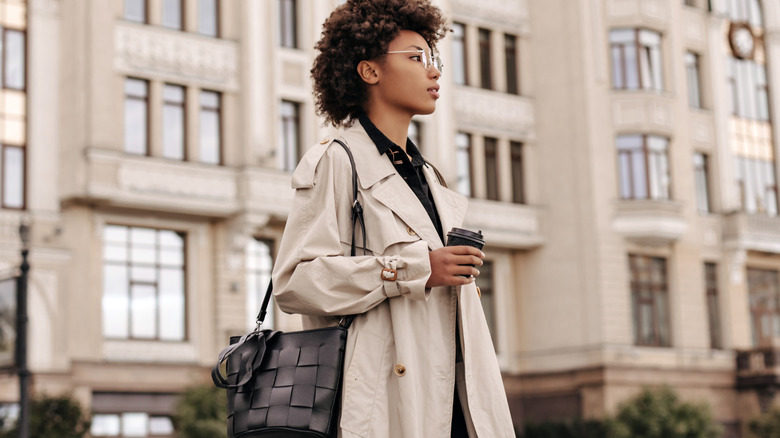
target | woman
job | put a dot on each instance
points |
(419, 360)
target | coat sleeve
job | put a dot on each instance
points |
(314, 274)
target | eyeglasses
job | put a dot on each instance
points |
(427, 58)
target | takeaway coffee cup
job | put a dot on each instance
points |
(459, 236)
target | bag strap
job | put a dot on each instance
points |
(357, 216)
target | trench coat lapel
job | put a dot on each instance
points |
(379, 179)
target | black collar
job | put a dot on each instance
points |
(383, 144)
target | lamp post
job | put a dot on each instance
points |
(21, 335)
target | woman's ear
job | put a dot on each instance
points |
(367, 72)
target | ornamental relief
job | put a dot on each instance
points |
(494, 111)
(187, 183)
(182, 57)
(499, 12)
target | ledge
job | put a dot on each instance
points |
(752, 232)
(649, 222)
(505, 225)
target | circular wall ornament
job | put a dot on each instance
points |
(742, 40)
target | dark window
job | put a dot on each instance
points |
(485, 282)
(485, 60)
(14, 64)
(174, 122)
(173, 14)
(459, 70)
(290, 129)
(491, 168)
(143, 283)
(463, 163)
(208, 17)
(694, 81)
(136, 116)
(135, 10)
(649, 299)
(644, 167)
(701, 174)
(288, 24)
(259, 263)
(518, 186)
(210, 127)
(713, 309)
(12, 176)
(764, 296)
(636, 59)
(512, 78)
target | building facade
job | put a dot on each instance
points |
(619, 156)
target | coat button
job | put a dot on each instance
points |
(410, 231)
(400, 370)
(324, 140)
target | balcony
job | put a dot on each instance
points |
(504, 224)
(752, 232)
(486, 109)
(643, 111)
(758, 368)
(649, 222)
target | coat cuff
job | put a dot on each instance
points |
(412, 268)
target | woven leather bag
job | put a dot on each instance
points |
(287, 385)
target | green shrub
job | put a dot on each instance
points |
(766, 426)
(202, 413)
(565, 429)
(54, 417)
(660, 414)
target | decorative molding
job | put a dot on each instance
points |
(178, 56)
(149, 352)
(649, 222)
(504, 224)
(642, 111)
(497, 111)
(176, 182)
(45, 7)
(499, 12)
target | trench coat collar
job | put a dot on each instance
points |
(391, 190)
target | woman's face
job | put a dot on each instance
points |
(404, 83)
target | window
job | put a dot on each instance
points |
(485, 62)
(747, 82)
(208, 17)
(13, 163)
(414, 133)
(136, 116)
(210, 127)
(644, 167)
(143, 283)
(701, 174)
(459, 75)
(172, 14)
(636, 59)
(757, 185)
(14, 63)
(135, 10)
(512, 79)
(7, 324)
(491, 168)
(486, 281)
(290, 151)
(131, 424)
(694, 83)
(649, 300)
(764, 296)
(173, 122)
(713, 309)
(518, 186)
(740, 10)
(259, 264)
(288, 21)
(463, 163)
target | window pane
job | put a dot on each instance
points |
(105, 425)
(116, 303)
(485, 62)
(512, 79)
(172, 14)
(143, 310)
(632, 68)
(488, 299)
(160, 426)
(287, 23)
(173, 122)
(136, 116)
(692, 69)
(463, 163)
(702, 182)
(518, 186)
(14, 60)
(491, 168)
(290, 148)
(135, 424)
(459, 53)
(172, 304)
(13, 177)
(135, 10)
(208, 17)
(259, 264)
(210, 129)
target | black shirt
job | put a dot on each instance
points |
(410, 171)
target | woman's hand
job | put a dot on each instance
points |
(448, 265)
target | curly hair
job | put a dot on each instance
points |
(362, 30)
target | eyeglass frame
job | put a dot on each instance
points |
(431, 60)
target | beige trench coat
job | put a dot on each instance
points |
(400, 368)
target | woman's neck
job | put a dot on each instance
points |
(393, 125)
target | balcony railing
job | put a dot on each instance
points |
(758, 367)
(752, 232)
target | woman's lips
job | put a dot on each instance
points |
(434, 91)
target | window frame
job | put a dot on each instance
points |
(182, 15)
(5, 54)
(488, 299)
(756, 315)
(517, 161)
(693, 73)
(182, 106)
(511, 56)
(713, 306)
(648, 176)
(466, 151)
(637, 285)
(460, 42)
(701, 173)
(639, 50)
(288, 24)
(289, 152)
(145, 4)
(493, 180)
(217, 17)
(3, 202)
(146, 101)
(254, 308)
(485, 59)
(205, 109)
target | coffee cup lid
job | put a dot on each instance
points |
(468, 234)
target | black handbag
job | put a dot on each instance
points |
(287, 384)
